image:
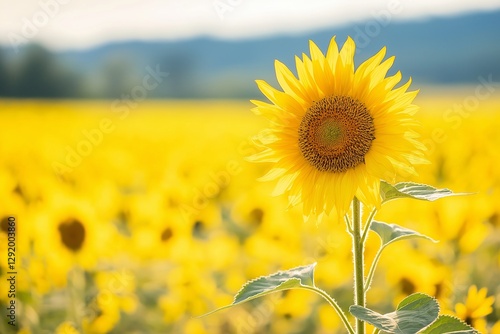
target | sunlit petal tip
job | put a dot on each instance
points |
(307, 218)
(390, 60)
(292, 202)
(261, 82)
(350, 41)
(298, 61)
(264, 156)
(269, 91)
(258, 105)
(316, 53)
(263, 86)
(380, 54)
(305, 58)
(347, 53)
(320, 218)
(348, 47)
(279, 66)
(263, 140)
(333, 48)
(272, 174)
(312, 46)
(408, 83)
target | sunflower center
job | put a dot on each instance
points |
(335, 134)
(329, 133)
(166, 234)
(4, 224)
(72, 234)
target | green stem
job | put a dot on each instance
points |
(76, 283)
(348, 224)
(358, 250)
(369, 278)
(371, 272)
(334, 304)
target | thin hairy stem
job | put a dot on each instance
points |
(358, 254)
(334, 304)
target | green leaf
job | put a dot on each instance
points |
(413, 190)
(446, 324)
(283, 280)
(390, 233)
(414, 313)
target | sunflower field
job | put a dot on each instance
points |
(141, 221)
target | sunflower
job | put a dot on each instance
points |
(69, 234)
(476, 307)
(336, 131)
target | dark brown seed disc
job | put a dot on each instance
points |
(72, 234)
(335, 133)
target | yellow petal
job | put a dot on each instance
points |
(316, 53)
(288, 82)
(332, 53)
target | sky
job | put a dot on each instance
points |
(80, 24)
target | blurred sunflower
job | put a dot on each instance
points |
(336, 130)
(476, 307)
(114, 299)
(496, 328)
(409, 271)
(13, 206)
(70, 234)
(66, 328)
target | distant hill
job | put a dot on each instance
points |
(440, 50)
